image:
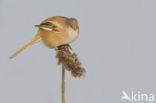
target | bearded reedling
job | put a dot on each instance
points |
(58, 32)
(54, 31)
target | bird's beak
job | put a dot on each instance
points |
(34, 40)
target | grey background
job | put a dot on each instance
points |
(116, 45)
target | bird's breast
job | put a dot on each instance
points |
(72, 35)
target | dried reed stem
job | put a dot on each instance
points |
(70, 62)
(63, 84)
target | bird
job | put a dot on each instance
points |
(53, 32)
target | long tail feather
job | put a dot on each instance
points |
(34, 40)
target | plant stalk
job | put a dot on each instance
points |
(63, 84)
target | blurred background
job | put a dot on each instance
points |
(116, 46)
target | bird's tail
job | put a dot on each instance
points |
(34, 40)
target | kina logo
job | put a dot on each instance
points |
(137, 97)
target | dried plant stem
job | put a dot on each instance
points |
(70, 61)
(63, 84)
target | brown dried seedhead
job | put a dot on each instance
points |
(69, 61)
